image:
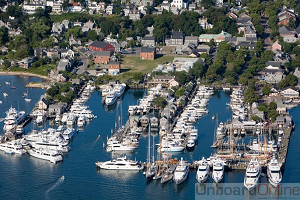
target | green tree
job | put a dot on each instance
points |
(92, 35)
(179, 92)
(292, 23)
(3, 35)
(266, 90)
(273, 106)
(160, 102)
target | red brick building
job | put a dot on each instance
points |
(101, 46)
(113, 68)
(284, 16)
(102, 57)
(147, 53)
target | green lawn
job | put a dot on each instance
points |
(42, 70)
(134, 64)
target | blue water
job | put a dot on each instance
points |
(24, 177)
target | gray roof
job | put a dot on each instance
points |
(149, 37)
(177, 34)
(191, 38)
(102, 53)
(98, 44)
(147, 49)
(273, 63)
(284, 30)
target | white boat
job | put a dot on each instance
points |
(71, 119)
(0, 102)
(203, 171)
(151, 171)
(81, 121)
(252, 174)
(12, 147)
(120, 164)
(119, 89)
(168, 174)
(57, 119)
(5, 94)
(218, 170)
(181, 172)
(68, 133)
(171, 147)
(46, 154)
(64, 118)
(19, 129)
(40, 118)
(274, 172)
(7, 83)
(27, 99)
(117, 146)
(106, 91)
(110, 98)
(13, 118)
(190, 144)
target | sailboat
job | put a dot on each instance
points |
(12, 85)
(26, 98)
(152, 168)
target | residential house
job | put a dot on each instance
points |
(204, 24)
(66, 23)
(55, 109)
(114, 68)
(276, 46)
(249, 32)
(191, 40)
(284, 16)
(76, 7)
(147, 53)
(101, 46)
(65, 64)
(289, 92)
(30, 8)
(148, 40)
(165, 5)
(164, 80)
(42, 104)
(110, 9)
(192, 6)
(102, 57)
(273, 72)
(287, 34)
(177, 38)
(179, 4)
(89, 25)
(247, 45)
(66, 53)
(58, 28)
(185, 49)
(26, 62)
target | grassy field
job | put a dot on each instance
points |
(134, 64)
(42, 70)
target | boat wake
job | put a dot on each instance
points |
(98, 137)
(57, 183)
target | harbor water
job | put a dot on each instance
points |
(25, 177)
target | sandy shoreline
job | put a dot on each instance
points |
(25, 74)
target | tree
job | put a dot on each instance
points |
(92, 35)
(289, 80)
(3, 35)
(250, 95)
(272, 115)
(179, 92)
(65, 5)
(160, 102)
(266, 90)
(273, 106)
(292, 23)
(52, 91)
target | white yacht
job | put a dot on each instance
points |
(13, 118)
(71, 119)
(12, 147)
(117, 146)
(106, 91)
(203, 171)
(5, 94)
(274, 172)
(81, 121)
(119, 89)
(68, 133)
(252, 174)
(27, 99)
(181, 172)
(64, 118)
(40, 118)
(110, 98)
(190, 144)
(57, 119)
(46, 154)
(171, 147)
(120, 164)
(218, 170)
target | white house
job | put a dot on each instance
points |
(289, 93)
(30, 8)
(179, 4)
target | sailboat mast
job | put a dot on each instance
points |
(148, 154)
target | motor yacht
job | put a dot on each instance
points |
(203, 171)
(13, 147)
(81, 121)
(181, 172)
(13, 118)
(252, 174)
(121, 163)
(46, 154)
(274, 172)
(218, 170)
(110, 98)
(119, 89)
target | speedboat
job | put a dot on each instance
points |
(203, 171)
(81, 121)
(181, 172)
(27, 99)
(218, 170)
(190, 144)
(46, 154)
(274, 172)
(120, 164)
(110, 98)
(252, 174)
(5, 94)
(12, 147)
